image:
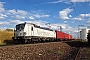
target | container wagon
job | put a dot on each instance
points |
(62, 36)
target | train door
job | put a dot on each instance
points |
(32, 31)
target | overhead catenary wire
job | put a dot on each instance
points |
(75, 11)
(37, 8)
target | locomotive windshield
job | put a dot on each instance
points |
(20, 26)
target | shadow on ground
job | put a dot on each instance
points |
(78, 44)
(9, 42)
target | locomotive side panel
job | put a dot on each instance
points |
(43, 32)
(49, 33)
(27, 29)
(38, 32)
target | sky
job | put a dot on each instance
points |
(69, 14)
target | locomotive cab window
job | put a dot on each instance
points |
(31, 28)
(20, 26)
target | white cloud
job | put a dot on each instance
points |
(9, 23)
(1, 7)
(37, 15)
(20, 17)
(2, 10)
(11, 11)
(85, 15)
(64, 13)
(88, 22)
(2, 16)
(41, 16)
(75, 1)
(68, 1)
(45, 15)
(31, 18)
(56, 1)
(65, 21)
(4, 23)
(70, 15)
(81, 17)
(77, 18)
(15, 22)
(20, 12)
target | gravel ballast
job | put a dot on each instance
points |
(39, 51)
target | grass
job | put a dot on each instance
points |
(53, 51)
(60, 52)
(88, 52)
(50, 50)
(5, 35)
(3, 44)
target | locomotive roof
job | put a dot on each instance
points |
(42, 27)
(39, 26)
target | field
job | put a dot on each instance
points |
(5, 35)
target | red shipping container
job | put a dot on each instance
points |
(60, 35)
(70, 36)
(66, 36)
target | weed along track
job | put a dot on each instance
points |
(69, 55)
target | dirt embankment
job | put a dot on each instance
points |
(41, 51)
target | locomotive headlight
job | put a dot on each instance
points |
(24, 33)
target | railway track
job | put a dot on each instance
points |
(74, 54)
(16, 44)
(22, 44)
(82, 54)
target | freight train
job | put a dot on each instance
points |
(29, 32)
